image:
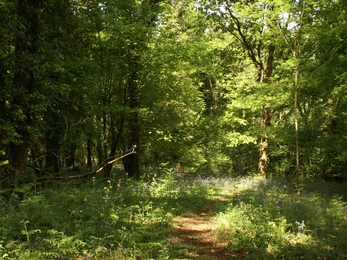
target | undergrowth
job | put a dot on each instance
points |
(125, 219)
(116, 219)
(268, 220)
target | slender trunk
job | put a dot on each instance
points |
(53, 138)
(99, 150)
(132, 161)
(71, 157)
(269, 62)
(19, 155)
(3, 135)
(266, 116)
(296, 50)
(89, 154)
(332, 152)
(264, 142)
(296, 119)
(208, 91)
(114, 143)
(36, 154)
(52, 159)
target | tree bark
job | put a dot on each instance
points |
(264, 142)
(296, 119)
(53, 138)
(71, 157)
(132, 162)
(89, 154)
(208, 91)
(269, 62)
(3, 135)
(24, 84)
(115, 139)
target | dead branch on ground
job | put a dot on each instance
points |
(101, 166)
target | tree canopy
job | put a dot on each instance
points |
(231, 87)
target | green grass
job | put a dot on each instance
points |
(118, 219)
(268, 220)
(124, 219)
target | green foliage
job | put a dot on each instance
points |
(268, 221)
(196, 77)
(119, 219)
(124, 219)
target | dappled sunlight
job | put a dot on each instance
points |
(197, 231)
(271, 220)
(178, 129)
(178, 217)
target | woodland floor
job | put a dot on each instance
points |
(196, 233)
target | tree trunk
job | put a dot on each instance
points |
(269, 62)
(99, 150)
(4, 153)
(52, 159)
(132, 161)
(89, 154)
(71, 159)
(114, 143)
(208, 90)
(263, 77)
(53, 138)
(24, 84)
(296, 119)
(264, 142)
(266, 117)
(332, 152)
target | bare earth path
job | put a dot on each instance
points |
(196, 232)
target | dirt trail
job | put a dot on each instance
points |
(196, 232)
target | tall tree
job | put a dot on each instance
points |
(26, 65)
(247, 22)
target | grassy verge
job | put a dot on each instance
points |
(268, 220)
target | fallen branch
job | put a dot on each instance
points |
(102, 165)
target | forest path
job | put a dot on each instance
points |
(195, 234)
